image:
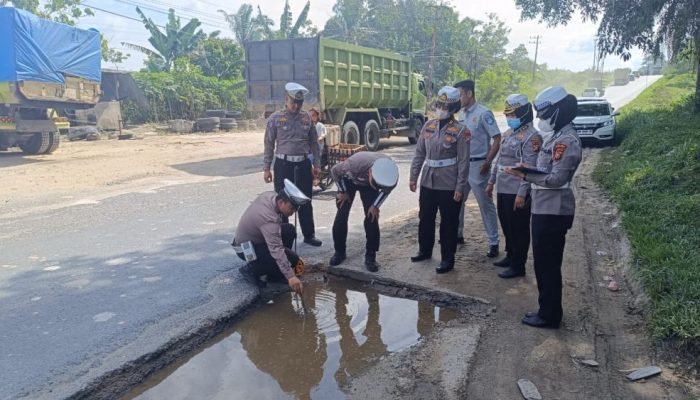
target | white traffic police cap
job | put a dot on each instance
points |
(296, 91)
(548, 97)
(385, 173)
(513, 102)
(448, 94)
(296, 196)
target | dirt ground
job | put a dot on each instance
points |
(599, 324)
(82, 171)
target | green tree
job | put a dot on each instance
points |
(243, 24)
(177, 41)
(288, 30)
(219, 58)
(647, 24)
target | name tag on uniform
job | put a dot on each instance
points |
(249, 251)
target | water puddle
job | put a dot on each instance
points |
(294, 349)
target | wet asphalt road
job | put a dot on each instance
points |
(86, 287)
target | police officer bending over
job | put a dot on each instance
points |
(442, 154)
(553, 202)
(265, 241)
(374, 175)
(289, 139)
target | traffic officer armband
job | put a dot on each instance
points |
(342, 185)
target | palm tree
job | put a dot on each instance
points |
(172, 44)
(245, 27)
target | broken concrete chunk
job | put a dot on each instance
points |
(645, 372)
(528, 390)
(590, 363)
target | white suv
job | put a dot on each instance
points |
(595, 119)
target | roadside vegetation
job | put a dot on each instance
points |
(654, 177)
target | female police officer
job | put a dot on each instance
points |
(553, 202)
(520, 145)
(442, 153)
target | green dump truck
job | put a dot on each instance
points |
(371, 94)
(44, 66)
(621, 76)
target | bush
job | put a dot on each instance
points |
(183, 93)
(654, 176)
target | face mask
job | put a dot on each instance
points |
(513, 123)
(544, 125)
(442, 114)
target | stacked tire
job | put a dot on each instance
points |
(228, 124)
(209, 124)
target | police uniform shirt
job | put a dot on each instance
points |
(452, 141)
(482, 126)
(356, 169)
(292, 134)
(560, 156)
(519, 146)
(260, 223)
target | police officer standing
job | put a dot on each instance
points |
(482, 126)
(264, 240)
(520, 145)
(553, 202)
(289, 139)
(374, 175)
(442, 154)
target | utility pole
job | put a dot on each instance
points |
(536, 41)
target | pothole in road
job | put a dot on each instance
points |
(307, 348)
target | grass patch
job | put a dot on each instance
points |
(654, 176)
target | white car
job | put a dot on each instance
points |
(595, 119)
(591, 92)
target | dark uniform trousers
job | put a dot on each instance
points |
(340, 225)
(303, 179)
(430, 201)
(548, 239)
(266, 264)
(515, 223)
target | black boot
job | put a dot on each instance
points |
(503, 262)
(511, 272)
(493, 251)
(337, 259)
(250, 276)
(446, 265)
(421, 256)
(537, 322)
(313, 241)
(371, 262)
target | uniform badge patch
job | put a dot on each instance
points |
(466, 134)
(432, 124)
(489, 119)
(559, 150)
(536, 144)
(520, 135)
(451, 129)
(449, 139)
(428, 134)
(282, 120)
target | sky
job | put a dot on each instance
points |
(568, 47)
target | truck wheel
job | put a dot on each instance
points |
(351, 133)
(417, 126)
(38, 143)
(372, 135)
(54, 141)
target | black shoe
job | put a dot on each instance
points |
(371, 262)
(503, 262)
(313, 241)
(249, 276)
(336, 259)
(531, 313)
(493, 251)
(511, 273)
(445, 266)
(538, 322)
(460, 240)
(421, 256)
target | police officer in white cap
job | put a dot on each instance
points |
(553, 202)
(289, 138)
(264, 240)
(442, 161)
(520, 145)
(374, 175)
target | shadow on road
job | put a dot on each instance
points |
(15, 158)
(228, 167)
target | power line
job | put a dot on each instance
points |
(187, 16)
(117, 14)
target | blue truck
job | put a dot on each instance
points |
(44, 66)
